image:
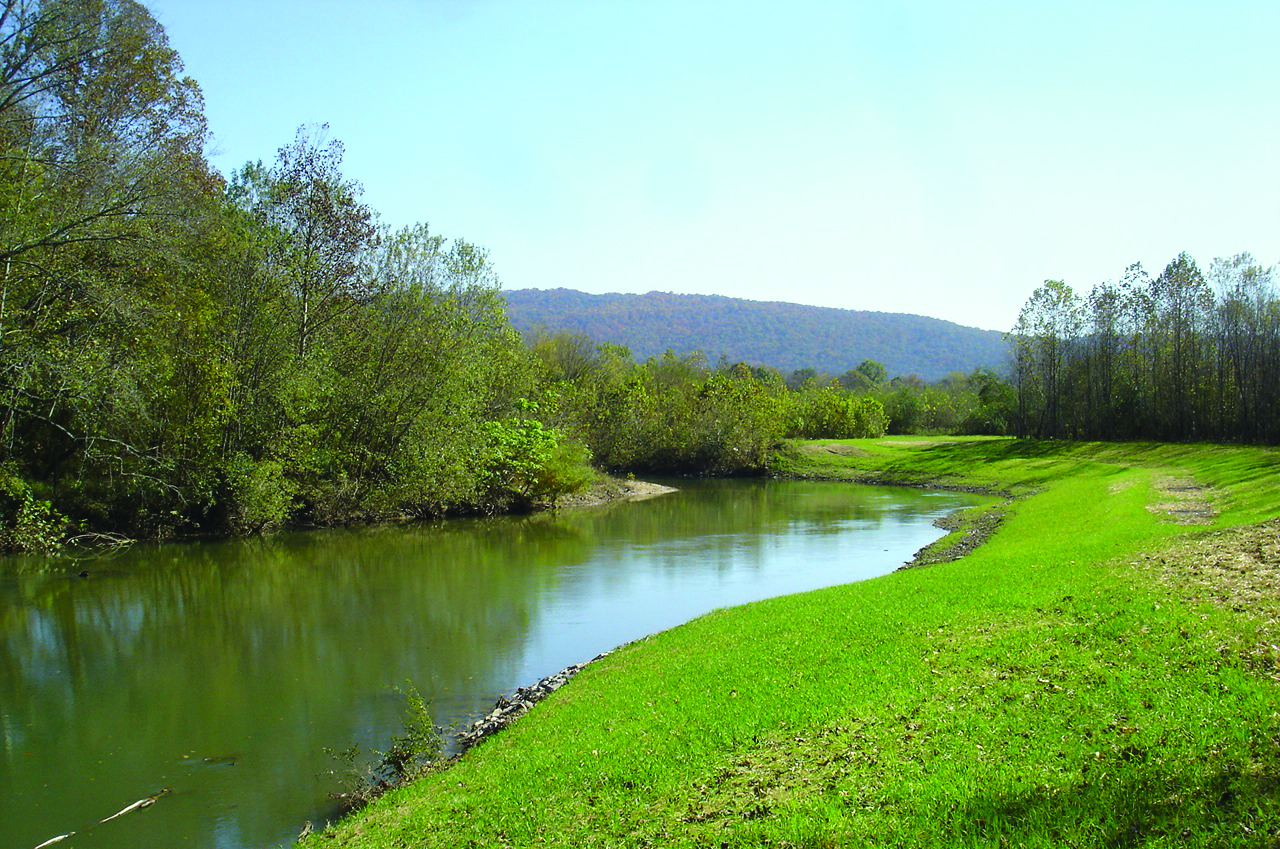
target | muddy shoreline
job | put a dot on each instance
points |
(975, 527)
(610, 490)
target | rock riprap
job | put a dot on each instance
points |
(508, 709)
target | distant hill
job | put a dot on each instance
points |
(784, 336)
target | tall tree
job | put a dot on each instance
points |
(323, 233)
(1244, 373)
(101, 146)
(97, 124)
(1047, 331)
(1181, 302)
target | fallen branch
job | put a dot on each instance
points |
(136, 806)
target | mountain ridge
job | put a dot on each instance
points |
(780, 334)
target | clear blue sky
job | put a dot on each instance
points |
(938, 158)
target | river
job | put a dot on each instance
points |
(228, 672)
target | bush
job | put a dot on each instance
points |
(261, 498)
(528, 462)
(833, 414)
(29, 526)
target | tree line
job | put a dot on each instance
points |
(1186, 355)
(680, 414)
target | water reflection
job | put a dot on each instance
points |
(224, 670)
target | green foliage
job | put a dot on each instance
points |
(567, 470)
(674, 414)
(996, 405)
(874, 372)
(320, 232)
(28, 525)
(517, 451)
(415, 750)
(260, 497)
(525, 462)
(978, 403)
(414, 753)
(867, 375)
(831, 413)
(801, 378)
(111, 387)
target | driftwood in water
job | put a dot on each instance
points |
(136, 806)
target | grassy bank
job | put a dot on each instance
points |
(1091, 676)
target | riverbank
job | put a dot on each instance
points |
(607, 490)
(1061, 685)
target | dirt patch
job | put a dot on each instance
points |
(1236, 568)
(969, 529)
(609, 490)
(1183, 501)
(836, 449)
(1121, 486)
(918, 443)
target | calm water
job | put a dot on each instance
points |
(225, 670)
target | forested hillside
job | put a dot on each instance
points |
(781, 335)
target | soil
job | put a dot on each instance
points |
(838, 449)
(608, 490)
(1235, 568)
(1183, 501)
(975, 527)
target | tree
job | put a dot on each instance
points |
(101, 143)
(1245, 372)
(801, 376)
(567, 356)
(872, 372)
(412, 382)
(1104, 308)
(996, 404)
(96, 122)
(1180, 304)
(1044, 338)
(323, 234)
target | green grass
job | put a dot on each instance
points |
(1049, 689)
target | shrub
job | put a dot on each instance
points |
(528, 462)
(30, 526)
(261, 497)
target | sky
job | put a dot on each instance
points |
(935, 158)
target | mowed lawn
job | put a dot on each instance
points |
(1095, 674)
